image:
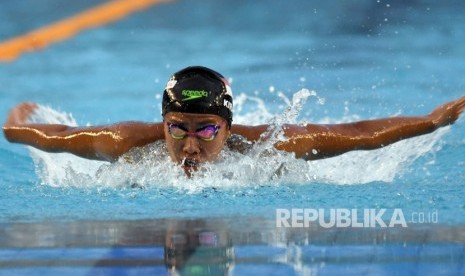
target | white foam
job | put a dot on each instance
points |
(150, 166)
(60, 169)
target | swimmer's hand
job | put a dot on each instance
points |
(447, 113)
(20, 114)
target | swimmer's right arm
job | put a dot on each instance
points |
(105, 143)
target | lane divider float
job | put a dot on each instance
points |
(71, 26)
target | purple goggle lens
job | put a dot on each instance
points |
(205, 133)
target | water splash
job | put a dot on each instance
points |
(263, 166)
(60, 169)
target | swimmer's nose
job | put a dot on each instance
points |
(191, 145)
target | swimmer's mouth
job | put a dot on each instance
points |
(189, 163)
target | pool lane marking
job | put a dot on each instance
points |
(71, 26)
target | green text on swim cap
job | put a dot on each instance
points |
(193, 94)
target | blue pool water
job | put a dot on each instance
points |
(363, 59)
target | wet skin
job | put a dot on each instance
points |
(109, 142)
(191, 151)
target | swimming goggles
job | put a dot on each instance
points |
(206, 133)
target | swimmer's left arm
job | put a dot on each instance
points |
(321, 141)
(313, 141)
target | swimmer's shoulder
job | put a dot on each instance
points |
(251, 133)
(144, 153)
(239, 143)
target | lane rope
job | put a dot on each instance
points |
(71, 26)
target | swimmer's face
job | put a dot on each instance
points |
(195, 147)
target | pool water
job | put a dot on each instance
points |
(305, 61)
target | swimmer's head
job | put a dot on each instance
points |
(198, 90)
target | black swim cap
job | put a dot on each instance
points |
(199, 90)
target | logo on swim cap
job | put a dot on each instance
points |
(227, 87)
(228, 105)
(171, 83)
(193, 94)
